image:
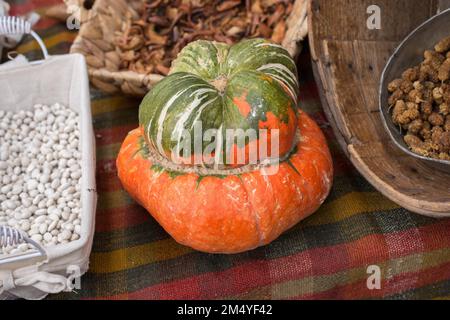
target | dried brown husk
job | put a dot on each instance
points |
(150, 41)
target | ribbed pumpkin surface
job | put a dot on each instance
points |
(233, 213)
(250, 85)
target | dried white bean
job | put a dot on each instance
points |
(43, 228)
(25, 214)
(68, 226)
(23, 247)
(40, 219)
(33, 231)
(10, 204)
(48, 237)
(65, 214)
(6, 189)
(40, 174)
(25, 226)
(37, 237)
(52, 225)
(64, 235)
(40, 212)
(32, 184)
(75, 236)
(3, 165)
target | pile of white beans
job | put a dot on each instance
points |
(40, 171)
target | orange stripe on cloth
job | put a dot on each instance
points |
(120, 218)
(113, 135)
(31, 5)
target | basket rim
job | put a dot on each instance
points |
(292, 43)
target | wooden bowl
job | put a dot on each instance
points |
(348, 60)
(408, 54)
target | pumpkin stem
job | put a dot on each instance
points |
(220, 83)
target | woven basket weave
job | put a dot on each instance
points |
(96, 42)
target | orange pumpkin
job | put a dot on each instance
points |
(234, 213)
(231, 206)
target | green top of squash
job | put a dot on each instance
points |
(215, 86)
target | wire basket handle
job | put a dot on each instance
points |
(14, 25)
(12, 237)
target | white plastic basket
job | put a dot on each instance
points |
(57, 79)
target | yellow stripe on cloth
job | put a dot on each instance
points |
(50, 42)
(118, 260)
(168, 249)
(348, 205)
(111, 104)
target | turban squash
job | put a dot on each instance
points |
(222, 205)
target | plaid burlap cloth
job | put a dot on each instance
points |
(325, 256)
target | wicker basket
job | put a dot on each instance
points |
(96, 41)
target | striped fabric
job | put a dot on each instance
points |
(324, 257)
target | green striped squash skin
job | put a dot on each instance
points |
(250, 85)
